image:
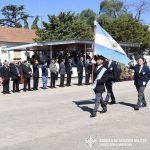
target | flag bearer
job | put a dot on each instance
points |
(100, 77)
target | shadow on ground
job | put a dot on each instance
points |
(80, 104)
(127, 104)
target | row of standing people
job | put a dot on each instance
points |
(21, 72)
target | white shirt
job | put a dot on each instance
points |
(141, 67)
(57, 65)
(99, 67)
(109, 63)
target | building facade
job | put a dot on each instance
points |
(10, 37)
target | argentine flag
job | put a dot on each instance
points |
(105, 45)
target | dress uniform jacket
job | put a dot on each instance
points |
(112, 71)
(100, 88)
(142, 77)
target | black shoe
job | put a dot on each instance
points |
(25, 90)
(113, 102)
(136, 107)
(8, 92)
(103, 111)
(93, 115)
(18, 91)
(29, 90)
(144, 105)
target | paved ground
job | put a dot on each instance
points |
(58, 119)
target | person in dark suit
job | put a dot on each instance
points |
(69, 72)
(141, 78)
(88, 69)
(15, 75)
(100, 77)
(27, 73)
(35, 75)
(5, 74)
(44, 75)
(62, 71)
(80, 70)
(112, 72)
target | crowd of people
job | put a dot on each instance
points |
(22, 72)
(105, 74)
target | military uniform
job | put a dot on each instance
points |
(99, 90)
(141, 78)
(112, 73)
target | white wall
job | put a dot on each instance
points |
(3, 55)
(147, 57)
(24, 54)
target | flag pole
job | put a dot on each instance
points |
(94, 34)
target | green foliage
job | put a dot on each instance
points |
(13, 16)
(112, 8)
(113, 17)
(89, 16)
(26, 25)
(35, 23)
(65, 26)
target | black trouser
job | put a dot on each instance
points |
(5, 86)
(80, 78)
(87, 78)
(35, 83)
(110, 94)
(27, 82)
(57, 76)
(16, 84)
(141, 96)
(62, 79)
(53, 79)
(68, 79)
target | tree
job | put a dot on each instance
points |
(112, 8)
(140, 9)
(126, 29)
(65, 26)
(88, 15)
(26, 25)
(13, 16)
(35, 23)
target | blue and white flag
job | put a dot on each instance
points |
(105, 45)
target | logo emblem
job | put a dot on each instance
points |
(90, 141)
(114, 45)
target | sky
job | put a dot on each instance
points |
(44, 7)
